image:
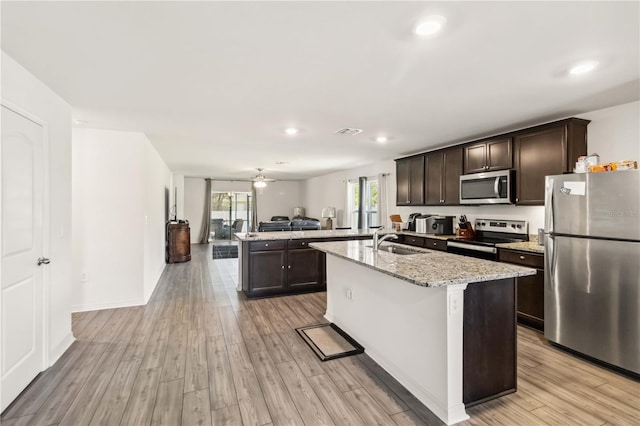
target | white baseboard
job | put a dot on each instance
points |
(60, 348)
(108, 305)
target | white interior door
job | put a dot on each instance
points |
(22, 245)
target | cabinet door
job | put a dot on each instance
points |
(537, 155)
(451, 180)
(433, 186)
(267, 271)
(402, 182)
(475, 158)
(305, 268)
(499, 155)
(531, 300)
(416, 181)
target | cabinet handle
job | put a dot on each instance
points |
(282, 266)
(517, 199)
(289, 266)
(304, 243)
(521, 257)
(435, 244)
(266, 245)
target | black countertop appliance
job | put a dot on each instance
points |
(411, 222)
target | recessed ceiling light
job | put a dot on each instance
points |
(291, 131)
(431, 25)
(381, 139)
(583, 67)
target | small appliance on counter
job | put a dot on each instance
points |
(421, 223)
(411, 222)
(440, 225)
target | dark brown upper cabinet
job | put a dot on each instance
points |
(443, 170)
(544, 151)
(485, 156)
(410, 181)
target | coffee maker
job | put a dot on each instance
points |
(411, 222)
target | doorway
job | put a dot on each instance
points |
(230, 213)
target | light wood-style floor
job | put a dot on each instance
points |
(199, 353)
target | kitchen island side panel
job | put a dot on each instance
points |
(413, 332)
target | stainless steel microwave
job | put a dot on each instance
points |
(487, 188)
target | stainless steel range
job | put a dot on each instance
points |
(488, 233)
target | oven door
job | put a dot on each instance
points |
(486, 188)
(472, 250)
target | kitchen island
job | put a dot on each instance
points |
(443, 325)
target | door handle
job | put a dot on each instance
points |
(496, 187)
(43, 261)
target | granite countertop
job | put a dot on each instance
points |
(530, 246)
(298, 235)
(336, 233)
(426, 268)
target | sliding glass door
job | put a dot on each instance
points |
(230, 213)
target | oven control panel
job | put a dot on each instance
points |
(502, 225)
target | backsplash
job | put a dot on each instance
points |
(533, 214)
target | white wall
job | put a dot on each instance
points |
(278, 199)
(177, 184)
(119, 184)
(158, 179)
(194, 199)
(614, 133)
(22, 89)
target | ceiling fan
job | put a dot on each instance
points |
(259, 180)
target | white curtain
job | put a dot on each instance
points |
(383, 200)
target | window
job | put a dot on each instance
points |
(369, 203)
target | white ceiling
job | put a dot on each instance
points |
(214, 84)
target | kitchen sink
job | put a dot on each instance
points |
(397, 250)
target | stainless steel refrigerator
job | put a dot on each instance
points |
(592, 265)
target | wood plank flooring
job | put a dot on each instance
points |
(201, 354)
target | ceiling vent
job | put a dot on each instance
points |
(348, 131)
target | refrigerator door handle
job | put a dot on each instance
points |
(550, 259)
(548, 203)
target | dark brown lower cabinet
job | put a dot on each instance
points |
(530, 290)
(489, 341)
(267, 270)
(271, 268)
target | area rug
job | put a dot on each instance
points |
(329, 342)
(225, 250)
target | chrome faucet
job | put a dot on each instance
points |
(377, 240)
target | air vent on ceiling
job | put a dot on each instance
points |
(348, 131)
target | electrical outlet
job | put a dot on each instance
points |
(84, 277)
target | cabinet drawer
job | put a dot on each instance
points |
(413, 241)
(267, 245)
(522, 258)
(435, 244)
(298, 244)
